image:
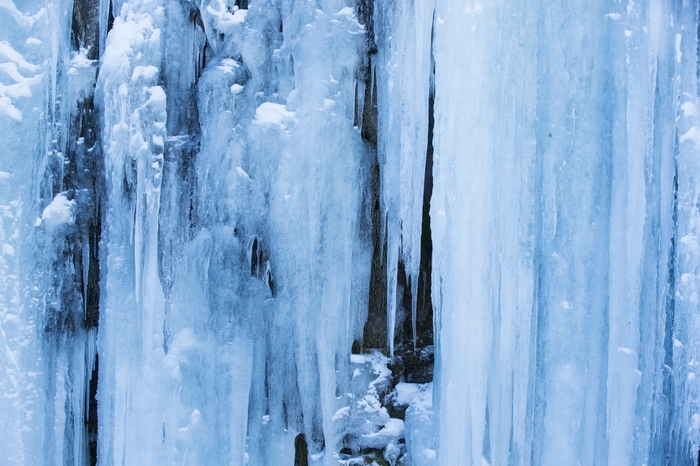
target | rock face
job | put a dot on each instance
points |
(275, 233)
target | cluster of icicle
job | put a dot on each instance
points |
(193, 195)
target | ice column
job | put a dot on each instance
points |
(681, 422)
(44, 343)
(22, 99)
(131, 324)
(561, 288)
(482, 215)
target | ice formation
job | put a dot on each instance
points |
(322, 232)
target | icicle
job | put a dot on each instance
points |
(404, 74)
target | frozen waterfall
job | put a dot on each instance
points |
(335, 232)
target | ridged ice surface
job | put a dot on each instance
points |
(292, 232)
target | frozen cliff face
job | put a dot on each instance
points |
(275, 232)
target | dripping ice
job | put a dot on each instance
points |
(274, 232)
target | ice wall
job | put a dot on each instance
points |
(47, 347)
(217, 215)
(258, 295)
(559, 245)
(23, 94)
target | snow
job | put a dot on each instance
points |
(22, 86)
(341, 413)
(8, 109)
(405, 393)
(269, 113)
(357, 359)
(227, 65)
(693, 134)
(59, 212)
(393, 428)
(10, 53)
(145, 72)
(224, 16)
(80, 59)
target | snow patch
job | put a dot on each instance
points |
(13, 55)
(228, 64)
(58, 212)
(273, 114)
(405, 393)
(357, 359)
(693, 134)
(146, 72)
(689, 109)
(22, 84)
